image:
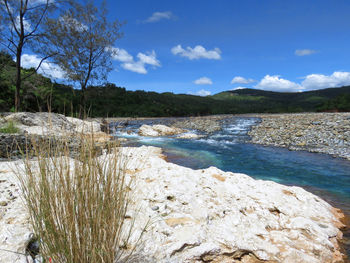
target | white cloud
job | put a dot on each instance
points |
(203, 81)
(197, 52)
(150, 59)
(120, 54)
(310, 82)
(304, 52)
(135, 67)
(275, 83)
(47, 69)
(130, 64)
(238, 88)
(157, 16)
(241, 80)
(201, 92)
(319, 81)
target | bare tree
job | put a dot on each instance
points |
(20, 27)
(82, 38)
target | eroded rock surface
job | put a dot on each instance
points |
(159, 130)
(202, 216)
(44, 123)
(35, 128)
(214, 216)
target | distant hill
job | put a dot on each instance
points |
(331, 99)
(41, 94)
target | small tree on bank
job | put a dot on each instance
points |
(20, 26)
(82, 38)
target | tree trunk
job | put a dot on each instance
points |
(82, 111)
(18, 78)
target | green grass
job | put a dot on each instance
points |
(10, 127)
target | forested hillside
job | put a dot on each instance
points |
(41, 94)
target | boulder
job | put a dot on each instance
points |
(214, 216)
(44, 123)
(188, 136)
(159, 130)
(85, 126)
(40, 119)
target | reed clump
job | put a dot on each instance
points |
(78, 206)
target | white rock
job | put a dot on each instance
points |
(221, 216)
(203, 216)
(158, 130)
(15, 231)
(188, 136)
(44, 123)
(85, 126)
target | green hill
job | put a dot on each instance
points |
(331, 99)
(41, 94)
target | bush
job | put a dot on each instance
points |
(78, 206)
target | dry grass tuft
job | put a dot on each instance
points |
(78, 206)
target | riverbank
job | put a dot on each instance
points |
(327, 133)
(200, 215)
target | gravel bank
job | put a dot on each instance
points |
(314, 132)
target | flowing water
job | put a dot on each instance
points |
(230, 150)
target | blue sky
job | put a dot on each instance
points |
(205, 47)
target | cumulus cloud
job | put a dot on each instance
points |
(203, 81)
(310, 82)
(135, 67)
(47, 69)
(150, 58)
(304, 52)
(157, 16)
(276, 83)
(201, 92)
(138, 66)
(320, 81)
(241, 80)
(197, 52)
(120, 54)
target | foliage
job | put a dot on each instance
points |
(24, 19)
(78, 207)
(339, 103)
(10, 127)
(82, 38)
(41, 94)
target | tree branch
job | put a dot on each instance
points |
(11, 17)
(8, 46)
(40, 19)
(37, 68)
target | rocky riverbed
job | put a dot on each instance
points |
(314, 132)
(204, 215)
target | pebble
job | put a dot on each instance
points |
(314, 132)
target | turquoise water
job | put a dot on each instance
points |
(230, 150)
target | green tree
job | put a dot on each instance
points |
(83, 38)
(21, 24)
